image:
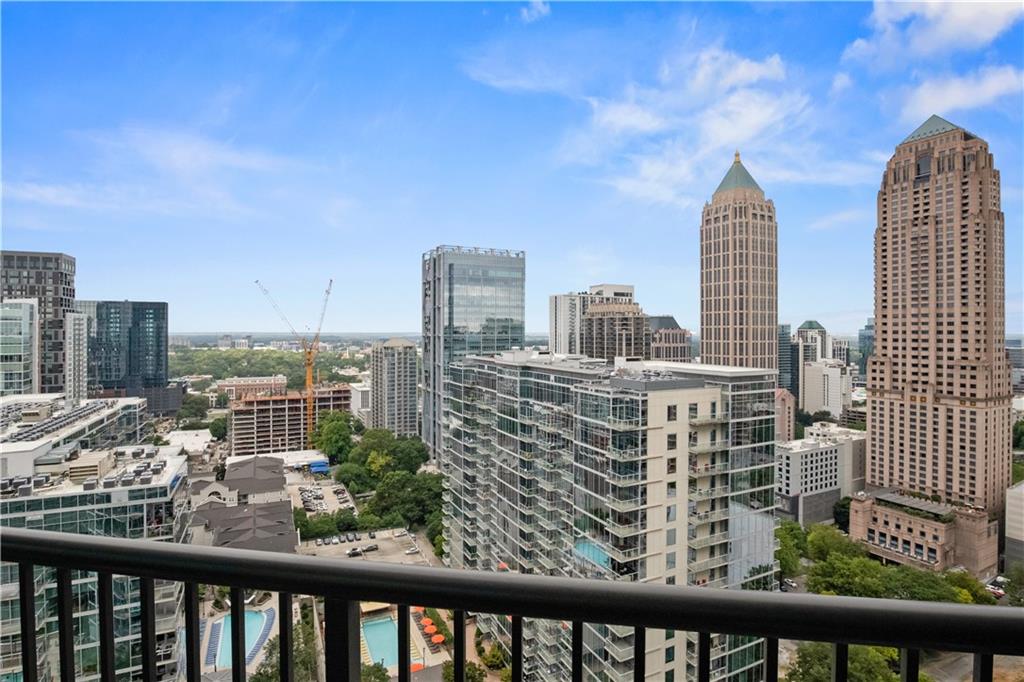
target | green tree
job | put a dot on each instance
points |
(409, 454)
(222, 400)
(795, 533)
(494, 658)
(219, 428)
(378, 463)
(375, 673)
(962, 580)
(345, 520)
(333, 435)
(1018, 435)
(841, 514)
(1015, 587)
(907, 582)
(193, 406)
(355, 477)
(474, 673)
(788, 557)
(506, 675)
(851, 576)
(413, 497)
(372, 440)
(304, 657)
(822, 541)
(814, 664)
(822, 416)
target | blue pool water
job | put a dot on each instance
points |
(381, 635)
(253, 626)
(588, 549)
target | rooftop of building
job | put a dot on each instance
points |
(292, 395)
(267, 526)
(737, 177)
(251, 475)
(19, 434)
(935, 125)
(131, 467)
(473, 251)
(291, 459)
(659, 322)
(811, 324)
(398, 342)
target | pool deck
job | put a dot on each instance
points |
(417, 646)
(215, 617)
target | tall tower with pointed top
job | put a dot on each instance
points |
(939, 379)
(739, 274)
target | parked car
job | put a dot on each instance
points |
(373, 536)
(995, 591)
(350, 536)
(401, 533)
(413, 550)
(358, 536)
(319, 542)
(783, 588)
(335, 540)
(370, 548)
(355, 551)
(788, 582)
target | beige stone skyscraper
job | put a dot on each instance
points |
(739, 274)
(939, 379)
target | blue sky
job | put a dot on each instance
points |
(182, 151)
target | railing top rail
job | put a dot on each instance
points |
(908, 624)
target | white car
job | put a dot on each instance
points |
(413, 550)
(789, 582)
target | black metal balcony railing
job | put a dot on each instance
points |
(842, 621)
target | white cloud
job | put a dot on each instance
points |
(720, 70)
(960, 93)
(537, 9)
(840, 82)
(901, 30)
(856, 216)
(626, 117)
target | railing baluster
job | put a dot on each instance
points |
(703, 657)
(517, 649)
(237, 634)
(27, 606)
(982, 668)
(192, 669)
(404, 661)
(577, 651)
(105, 599)
(147, 612)
(771, 659)
(342, 654)
(65, 625)
(910, 665)
(284, 636)
(459, 666)
(639, 654)
(840, 658)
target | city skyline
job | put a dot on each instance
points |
(601, 162)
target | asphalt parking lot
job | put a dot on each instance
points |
(330, 499)
(391, 548)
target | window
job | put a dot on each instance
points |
(671, 464)
(670, 512)
(670, 654)
(671, 441)
(670, 536)
(670, 560)
(672, 413)
(693, 410)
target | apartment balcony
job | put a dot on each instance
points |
(708, 563)
(625, 505)
(707, 448)
(701, 517)
(911, 627)
(708, 493)
(699, 470)
(623, 530)
(708, 540)
(624, 454)
(624, 423)
(708, 420)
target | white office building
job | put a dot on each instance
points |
(76, 357)
(19, 346)
(815, 472)
(826, 385)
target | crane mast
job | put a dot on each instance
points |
(310, 349)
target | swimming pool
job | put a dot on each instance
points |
(381, 635)
(588, 549)
(254, 621)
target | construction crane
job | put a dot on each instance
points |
(310, 348)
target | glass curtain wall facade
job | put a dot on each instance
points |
(473, 303)
(155, 512)
(127, 344)
(19, 347)
(557, 466)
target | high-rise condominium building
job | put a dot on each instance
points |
(76, 356)
(19, 346)
(669, 341)
(393, 387)
(739, 274)
(785, 358)
(127, 343)
(473, 303)
(659, 472)
(567, 310)
(826, 386)
(612, 330)
(813, 332)
(50, 279)
(939, 380)
(841, 351)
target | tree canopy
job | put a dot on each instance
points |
(222, 364)
(219, 428)
(193, 406)
(866, 664)
(332, 434)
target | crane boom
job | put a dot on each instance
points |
(310, 349)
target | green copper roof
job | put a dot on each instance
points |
(811, 324)
(737, 178)
(933, 126)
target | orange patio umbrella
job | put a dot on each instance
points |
(417, 609)
(430, 629)
(427, 621)
(437, 639)
(416, 667)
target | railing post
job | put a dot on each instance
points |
(771, 659)
(517, 649)
(27, 606)
(910, 665)
(840, 659)
(105, 597)
(639, 654)
(459, 664)
(404, 662)
(147, 612)
(237, 634)
(342, 627)
(982, 668)
(285, 636)
(192, 664)
(65, 625)
(703, 657)
(577, 651)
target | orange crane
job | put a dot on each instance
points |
(310, 348)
